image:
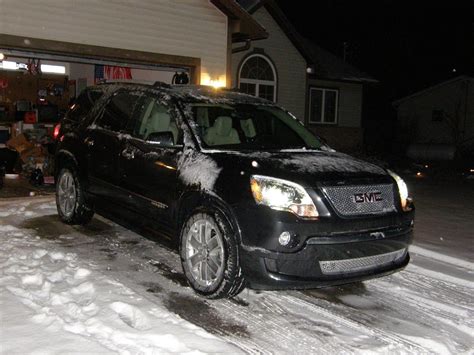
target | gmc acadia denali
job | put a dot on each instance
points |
(249, 195)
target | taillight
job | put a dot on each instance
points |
(56, 131)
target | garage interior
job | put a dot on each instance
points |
(36, 89)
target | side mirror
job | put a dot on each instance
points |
(165, 138)
(322, 140)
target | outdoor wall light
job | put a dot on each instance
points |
(215, 81)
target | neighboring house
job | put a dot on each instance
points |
(318, 87)
(156, 35)
(440, 114)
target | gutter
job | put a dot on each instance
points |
(243, 48)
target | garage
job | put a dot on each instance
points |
(51, 50)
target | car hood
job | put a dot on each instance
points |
(299, 166)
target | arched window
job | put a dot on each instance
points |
(257, 77)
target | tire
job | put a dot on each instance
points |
(70, 198)
(218, 258)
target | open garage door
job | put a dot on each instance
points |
(47, 80)
(84, 71)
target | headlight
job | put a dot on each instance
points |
(282, 195)
(402, 189)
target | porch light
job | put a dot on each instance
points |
(215, 81)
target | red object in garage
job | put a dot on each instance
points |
(30, 117)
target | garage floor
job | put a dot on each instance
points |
(22, 188)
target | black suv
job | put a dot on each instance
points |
(250, 196)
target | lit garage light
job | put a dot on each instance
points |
(7, 65)
(55, 69)
(2, 56)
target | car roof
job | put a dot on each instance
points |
(186, 93)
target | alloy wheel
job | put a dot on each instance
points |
(67, 193)
(205, 253)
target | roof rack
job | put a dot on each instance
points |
(128, 81)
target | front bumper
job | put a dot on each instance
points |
(326, 261)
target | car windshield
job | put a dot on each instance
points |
(250, 127)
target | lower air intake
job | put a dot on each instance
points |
(333, 267)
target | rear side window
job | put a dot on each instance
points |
(83, 105)
(118, 112)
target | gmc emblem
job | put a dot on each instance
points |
(368, 197)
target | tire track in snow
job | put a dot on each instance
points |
(397, 307)
(393, 341)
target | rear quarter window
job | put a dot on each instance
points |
(83, 105)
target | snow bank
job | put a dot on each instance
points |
(58, 297)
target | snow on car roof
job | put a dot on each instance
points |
(189, 93)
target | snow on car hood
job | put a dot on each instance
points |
(297, 162)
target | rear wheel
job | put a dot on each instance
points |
(209, 256)
(70, 198)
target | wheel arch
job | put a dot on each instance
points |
(64, 157)
(190, 201)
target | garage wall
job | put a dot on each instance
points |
(86, 71)
(192, 28)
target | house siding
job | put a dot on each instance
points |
(415, 114)
(190, 28)
(290, 64)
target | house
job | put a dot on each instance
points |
(318, 87)
(440, 114)
(152, 39)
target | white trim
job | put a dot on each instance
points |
(257, 82)
(323, 99)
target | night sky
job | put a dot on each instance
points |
(407, 45)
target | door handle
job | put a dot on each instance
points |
(89, 141)
(128, 154)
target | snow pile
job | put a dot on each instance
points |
(64, 296)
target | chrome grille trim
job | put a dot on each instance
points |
(343, 199)
(333, 267)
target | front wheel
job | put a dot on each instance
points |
(70, 198)
(209, 255)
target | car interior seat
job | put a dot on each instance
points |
(159, 120)
(248, 128)
(221, 133)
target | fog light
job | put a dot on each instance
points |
(284, 238)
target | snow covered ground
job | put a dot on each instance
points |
(105, 289)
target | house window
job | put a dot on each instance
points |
(323, 105)
(257, 77)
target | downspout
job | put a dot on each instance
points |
(243, 48)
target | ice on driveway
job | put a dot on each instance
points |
(104, 288)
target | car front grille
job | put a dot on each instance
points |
(333, 267)
(362, 199)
